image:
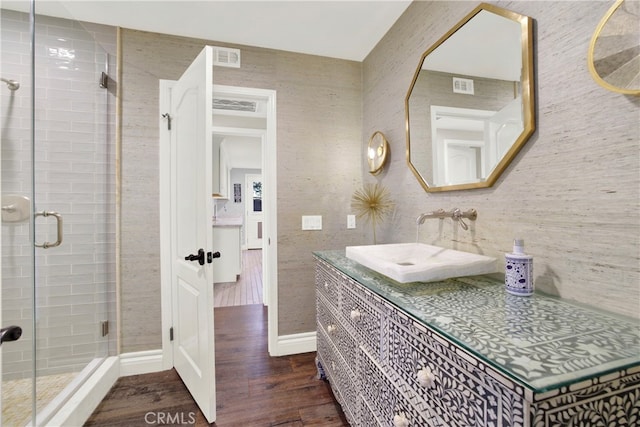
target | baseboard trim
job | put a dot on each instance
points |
(295, 344)
(141, 362)
(86, 399)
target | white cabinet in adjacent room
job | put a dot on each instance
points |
(227, 234)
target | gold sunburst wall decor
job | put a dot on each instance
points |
(373, 203)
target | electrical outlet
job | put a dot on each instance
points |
(351, 221)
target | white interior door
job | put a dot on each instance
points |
(463, 161)
(502, 129)
(191, 234)
(253, 211)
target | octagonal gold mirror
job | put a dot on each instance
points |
(470, 106)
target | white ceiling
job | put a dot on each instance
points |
(346, 29)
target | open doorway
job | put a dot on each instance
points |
(239, 139)
(193, 177)
(240, 125)
(244, 124)
(244, 131)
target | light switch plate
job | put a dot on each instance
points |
(351, 221)
(312, 222)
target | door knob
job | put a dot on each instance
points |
(199, 257)
(11, 333)
(211, 256)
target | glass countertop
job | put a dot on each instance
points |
(541, 341)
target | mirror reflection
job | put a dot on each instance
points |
(469, 108)
(614, 52)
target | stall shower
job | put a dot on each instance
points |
(58, 187)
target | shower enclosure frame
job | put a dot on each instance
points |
(43, 92)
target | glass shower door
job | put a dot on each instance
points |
(74, 196)
(58, 264)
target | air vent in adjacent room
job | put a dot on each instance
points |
(226, 57)
(462, 86)
(234, 105)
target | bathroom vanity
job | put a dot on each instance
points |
(227, 239)
(464, 352)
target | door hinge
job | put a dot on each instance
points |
(168, 117)
(171, 333)
(104, 328)
(104, 80)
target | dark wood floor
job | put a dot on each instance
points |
(253, 389)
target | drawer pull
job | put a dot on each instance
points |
(426, 378)
(331, 328)
(355, 314)
(400, 420)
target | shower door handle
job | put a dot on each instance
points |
(58, 217)
(11, 333)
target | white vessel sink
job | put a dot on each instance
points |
(418, 262)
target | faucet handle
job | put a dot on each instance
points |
(471, 214)
(457, 215)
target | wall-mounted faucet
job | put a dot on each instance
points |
(440, 213)
(456, 214)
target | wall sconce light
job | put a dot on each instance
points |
(377, 152)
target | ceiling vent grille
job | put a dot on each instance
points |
(226, 57)
(234, 105)
(462, 86)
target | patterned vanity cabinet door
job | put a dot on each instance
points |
(610, 400)
(362, 312)
(371, 354)
(443, 381)
(349, 323)
(384, 402)
(336, 347)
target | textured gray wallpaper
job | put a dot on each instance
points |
(572, 193)
(319, 116)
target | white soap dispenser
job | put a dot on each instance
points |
(518, 274)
